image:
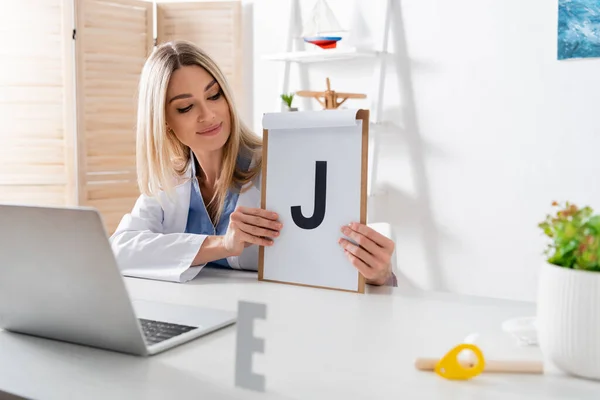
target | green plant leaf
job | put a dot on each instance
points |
(594, 223)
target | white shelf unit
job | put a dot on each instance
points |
(323, 55)
(297, 53)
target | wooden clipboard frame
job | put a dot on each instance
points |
(363, 115)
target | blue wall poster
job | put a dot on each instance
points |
(578, 29)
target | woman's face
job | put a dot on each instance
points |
(196, 109)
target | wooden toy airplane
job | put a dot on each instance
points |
(331, 98)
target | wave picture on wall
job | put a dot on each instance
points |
(578, 29)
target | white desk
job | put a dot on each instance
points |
(320, 344)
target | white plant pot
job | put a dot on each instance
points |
(568, 319)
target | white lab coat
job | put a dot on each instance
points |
(150, 241)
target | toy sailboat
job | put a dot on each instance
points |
(322, 28)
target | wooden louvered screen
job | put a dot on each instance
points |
(214, 26)
(68, 107)
(36, 103)
(114, 38)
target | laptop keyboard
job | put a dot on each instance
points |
(158, 331)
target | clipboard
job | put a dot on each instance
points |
(297, 148)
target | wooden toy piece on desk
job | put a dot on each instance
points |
(513, 367)
(331, 99)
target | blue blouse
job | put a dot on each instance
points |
(199, 221)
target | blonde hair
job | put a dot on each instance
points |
(161, 158)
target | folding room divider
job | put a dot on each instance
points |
(70, 70)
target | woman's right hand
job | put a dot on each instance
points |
(248, 226)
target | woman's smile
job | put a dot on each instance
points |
(211, 130)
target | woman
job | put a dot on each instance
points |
(199, 171)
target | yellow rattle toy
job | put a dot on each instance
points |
(450, 367)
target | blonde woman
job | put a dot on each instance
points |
(199, 174)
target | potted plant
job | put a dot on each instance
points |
(568, 307)
(287, 99)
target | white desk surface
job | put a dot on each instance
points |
(320, 344)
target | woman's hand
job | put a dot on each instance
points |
(372, 257)
(248, 226)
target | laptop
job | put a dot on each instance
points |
(59, 280)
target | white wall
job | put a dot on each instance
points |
(490, 129)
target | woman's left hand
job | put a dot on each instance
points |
(372, 257)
